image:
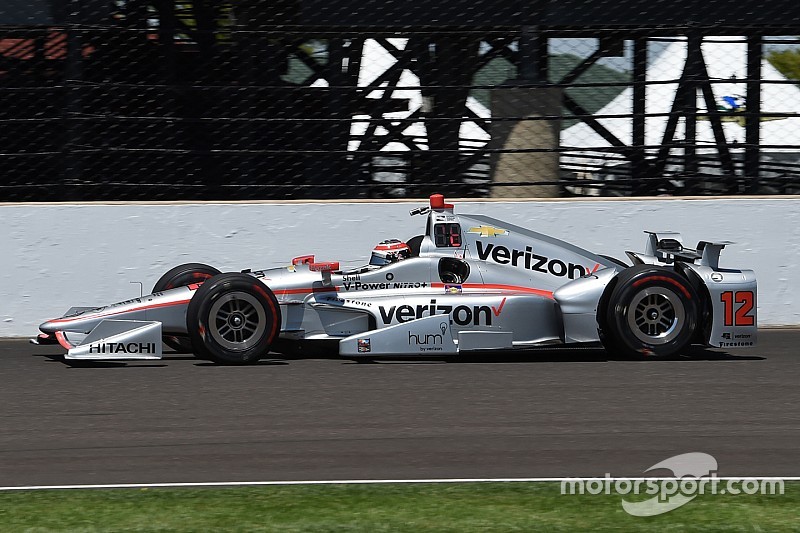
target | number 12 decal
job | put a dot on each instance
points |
(742, 316)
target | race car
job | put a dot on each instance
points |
(469, 283)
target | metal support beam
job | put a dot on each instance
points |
(573, 75)
(576, 109)
(533, 55)
(715, 117)
(640, 169)
(694, 77)
(752, 124)
(694, 66)
(73, 108)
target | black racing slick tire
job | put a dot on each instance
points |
(618, 262)
(652, 312)
(233, 319)
(181, 276)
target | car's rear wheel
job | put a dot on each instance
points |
(182, 276)
(233, 319)
(652, 312)
(618, 262)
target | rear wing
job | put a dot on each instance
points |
(732, 294)
(666, 247)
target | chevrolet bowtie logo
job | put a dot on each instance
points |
(488, 231)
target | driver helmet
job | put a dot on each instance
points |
(389, 251)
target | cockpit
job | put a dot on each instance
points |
(388, 252)
(423, 258)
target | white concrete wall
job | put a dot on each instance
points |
(56, 256)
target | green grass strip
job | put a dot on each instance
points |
(374, 508)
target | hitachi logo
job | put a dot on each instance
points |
(121, 347)
(531, 261)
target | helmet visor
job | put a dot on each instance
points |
(378, 259)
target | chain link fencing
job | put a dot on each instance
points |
(214, 100)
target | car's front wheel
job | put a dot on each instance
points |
(652, 312)
(181, 276)
(233, 319)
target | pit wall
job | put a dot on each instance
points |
(55, 256)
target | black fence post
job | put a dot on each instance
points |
(73, 107)
(641, 173)
(752, 124)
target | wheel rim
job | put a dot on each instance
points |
(656, 315)
(237, 321)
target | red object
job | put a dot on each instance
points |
(391, 245)
(324, 266)
(303, 260)
(437, 202)
(62, 340)
(668, 280)
(496, 287)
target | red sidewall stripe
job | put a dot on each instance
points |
(668, 280)
(275, 313)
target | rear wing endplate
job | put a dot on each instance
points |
(667, 247)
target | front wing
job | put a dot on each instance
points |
(114, 339)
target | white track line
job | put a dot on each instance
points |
(364, 482)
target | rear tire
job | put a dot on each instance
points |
(652, 312)
(181, 276)
(618, 262)
(233, 319)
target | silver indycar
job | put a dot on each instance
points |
(468, 284)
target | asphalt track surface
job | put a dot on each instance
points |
(550, 414)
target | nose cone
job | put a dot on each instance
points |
(76, 319)
(56, 324)
(51, 326)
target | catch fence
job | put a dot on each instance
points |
(212, 100)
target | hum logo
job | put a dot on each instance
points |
(430, 338)
(427, 339)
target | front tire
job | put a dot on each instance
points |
(652, 312)
(233, 319)
(182, 276)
